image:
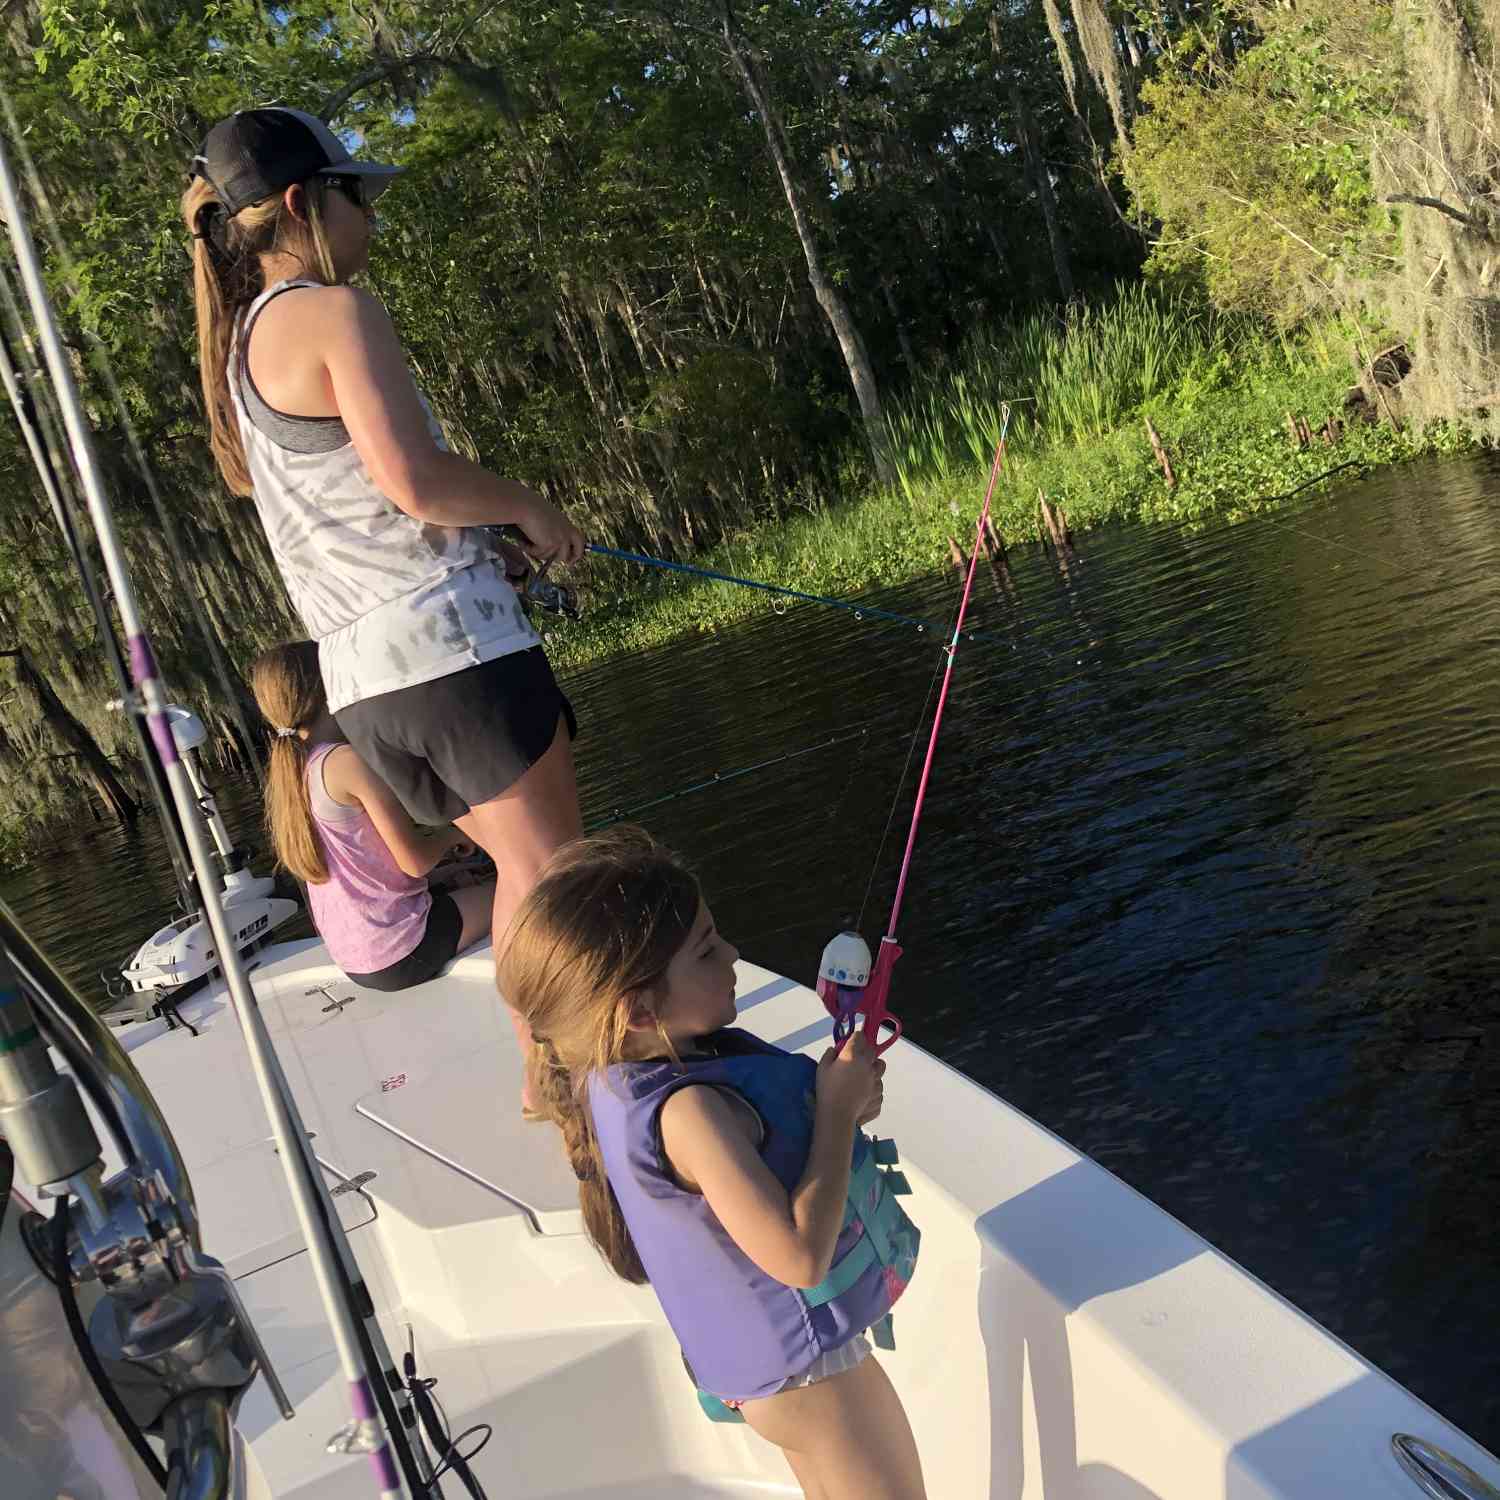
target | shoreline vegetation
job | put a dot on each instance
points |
(749, 285)
(1223, 397)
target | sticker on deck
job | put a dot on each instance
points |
(395, 1081)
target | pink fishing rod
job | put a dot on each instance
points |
(848, 984)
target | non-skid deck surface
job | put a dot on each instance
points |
(456, 1113)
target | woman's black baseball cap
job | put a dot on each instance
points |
(256, 153)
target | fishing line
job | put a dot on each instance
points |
(890, 817)
(944, 661)
(859, 611)
(1388, 562)
(718, 778)
(856, 761)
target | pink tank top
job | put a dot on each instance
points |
(369, 912)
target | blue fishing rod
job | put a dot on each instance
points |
(859, 611)
(547, 593)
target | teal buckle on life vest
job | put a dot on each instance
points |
(884, 1152)
(897, 1183)
(883, 1332)
(716, 1411)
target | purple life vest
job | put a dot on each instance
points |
(745, 1334)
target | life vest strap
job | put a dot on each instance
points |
(874, 1245)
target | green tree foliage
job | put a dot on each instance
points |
(627, 229)
(1313, 157)
(1254, 153)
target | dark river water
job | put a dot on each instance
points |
(1206, 882)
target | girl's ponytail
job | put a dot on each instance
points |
(590, 943)
(288, 689)
(566, 1105)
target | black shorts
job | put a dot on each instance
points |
(447, 745)
(445, 925)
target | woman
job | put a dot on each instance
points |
(433, 672)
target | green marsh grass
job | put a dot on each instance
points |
(1080, 385)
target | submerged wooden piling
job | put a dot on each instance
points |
(1056, 523)
(994, 555)
(1161, 455)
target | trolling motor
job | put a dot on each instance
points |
(169, 1346)
(182, 956)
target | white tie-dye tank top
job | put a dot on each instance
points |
(391, 601)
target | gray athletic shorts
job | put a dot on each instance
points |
(447, 745)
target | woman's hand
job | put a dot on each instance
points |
(515, 562)
(550, 534)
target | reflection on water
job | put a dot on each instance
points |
(1204, 882)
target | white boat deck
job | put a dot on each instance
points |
(1062, 1338)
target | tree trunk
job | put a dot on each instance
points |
(76, 737)
(908, 354)
(845, 330)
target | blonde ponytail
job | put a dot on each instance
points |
(562, 1100)
(227, 279)
(590, 944)
(288, 688)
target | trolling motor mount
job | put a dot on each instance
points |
(170, 1344)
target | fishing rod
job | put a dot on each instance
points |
(40, 445)
(859, 611)
(328, 1253)
(848, 984)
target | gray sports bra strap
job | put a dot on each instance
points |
(295, 434)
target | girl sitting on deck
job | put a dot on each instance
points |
(337, 826)
(730, 1174)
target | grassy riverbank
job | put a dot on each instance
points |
(1217, 391)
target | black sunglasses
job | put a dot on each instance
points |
(351, 186)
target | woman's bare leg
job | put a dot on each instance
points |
(520, 830)
(846, 1438)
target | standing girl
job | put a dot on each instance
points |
(730, 1174)
(336, 826)
(432, 669)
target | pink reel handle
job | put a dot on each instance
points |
(872, 1032)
